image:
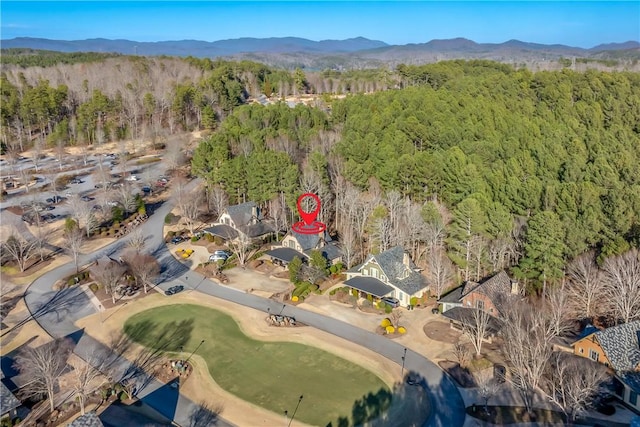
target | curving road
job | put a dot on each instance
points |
(57, 311)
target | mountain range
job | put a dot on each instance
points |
(294, 51)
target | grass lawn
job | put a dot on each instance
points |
(270, 374)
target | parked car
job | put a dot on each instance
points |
(174, 290)
(55, 199)
(219, 255)
(146, 190)
(393, 302)
(132, 178)
(76, 181)
(177, 239)
(86, 198)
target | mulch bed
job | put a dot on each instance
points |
(441, 331)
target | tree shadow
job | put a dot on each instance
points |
(204, 415)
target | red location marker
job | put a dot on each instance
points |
(308, 217)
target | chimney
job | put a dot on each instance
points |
(405, 259)
(254, 214)
(515, 289)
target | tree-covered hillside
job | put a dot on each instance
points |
(526, 169)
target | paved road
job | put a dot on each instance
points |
(56, 312)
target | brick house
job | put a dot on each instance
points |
(490, 295)
(618, 348)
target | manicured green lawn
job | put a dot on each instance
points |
(270, 374)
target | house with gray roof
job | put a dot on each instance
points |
(618, 348)
(245, 220)
(300, 245)
(8, 402)
(491, 295)
(90, 419)
(391, 273)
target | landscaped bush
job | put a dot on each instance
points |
(385, 322)
(402, 330)
(209, 237)
(414, 301)
(94, 287)
(169, 218)
(390, 329)
(333, 291)
(313, 287)
(370, 298)
(294, 298)
(194, 239)
(354, 292)
(387, 308)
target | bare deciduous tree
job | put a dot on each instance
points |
(556, 305)
(440, 271)
(82, 213)
(243, 248)
(476, 328)
(108, 273)
(85, 379)
(461, 354)
(43, 365)
(20, 249)
(488, 387)
(527, 348)
(73, 239)
(144, 268)
(585, 285)
(622, 278)
(349, 246)
(188, 203)
(573, 383)
(218, 200)
(137, 241)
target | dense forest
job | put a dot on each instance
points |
(505, 168)
(473, 163)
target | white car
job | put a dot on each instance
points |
(132, 178)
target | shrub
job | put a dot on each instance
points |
(387, 308)
(402, 330)
(385, 322)
(94, 287)
(294, 298)
(313, 287)
(333, 291)
(390, 329)
(209, 237)
(168, 219)
(370, 298)
(414, 301)
(194, 239)
(71, 281)
(354, 292)
(218, 240)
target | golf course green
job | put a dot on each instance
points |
(272, 375)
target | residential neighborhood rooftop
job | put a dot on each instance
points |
(621, 345)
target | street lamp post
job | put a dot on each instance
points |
(294, 411)
(404, 356)
(192, 353)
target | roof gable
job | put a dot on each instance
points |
(242, 214)
(399, 274)
(498, 288)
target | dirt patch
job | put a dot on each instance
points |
(441, 331)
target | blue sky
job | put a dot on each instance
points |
(583, 24)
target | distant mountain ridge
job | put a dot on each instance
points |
(356, 52)
(197, 47)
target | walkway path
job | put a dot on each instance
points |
(57, 311)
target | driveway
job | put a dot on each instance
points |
(57, 311)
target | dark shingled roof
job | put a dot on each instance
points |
(465, 315)
(308, 241)
(632, 379)
(222, 230)
(497, 288)
(369, 285)
(455, 296)
(329, 251)
(241, 214)
(620, 343)
(90, 419)
(285, 254)
(8, 401)
(391, 263)
(258, 229)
